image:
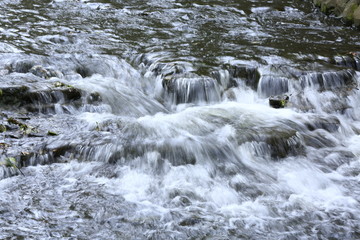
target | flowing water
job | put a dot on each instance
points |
(160, 122)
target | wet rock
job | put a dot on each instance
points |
(275, 79)
(2, 128)
(52, 133)
(278, 101)
(284, 144)
(349, 61)
(249, 74)
(319, 139)
(357, 16)
(190, 221)
(330, 124)
(84, 71)
(190, 88)
(87, 66)
(168, 70)
(273, 85)
(11, 95)
(94, 97)
(46, 73)
(21, 66)
(19, 91)
(329, 80)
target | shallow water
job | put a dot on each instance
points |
(173, 136)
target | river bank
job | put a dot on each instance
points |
(349, 10)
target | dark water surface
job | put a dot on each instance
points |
(150, 120)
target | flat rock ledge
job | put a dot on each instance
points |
(349, 10)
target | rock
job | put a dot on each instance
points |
(2, 128)
(356, 16)
(51, 133)
(276, 78)
(34, 95)
(22, 66)
(11, 95)
(273, 85)
(190, 221)
(352, 60)
(284, 144)
(278, 101)
(248, 73)
(329, 80)
(330, 124)
(191, 88)
(46, 73)
(349, 10)
(94, 97)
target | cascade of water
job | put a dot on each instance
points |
(145, 124)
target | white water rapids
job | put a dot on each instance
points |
(198, 171)
(174, 138)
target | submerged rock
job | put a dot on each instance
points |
(351, 60)
(285, 144)
(42, 72)
(328, 80)
(190, 88)
(276, 79)
(330, 124)
(21, 66)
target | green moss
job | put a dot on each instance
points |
(348, 13)
(279, 101)
(60, 84)
(11, 162)
(51, 133)
(13, 121)
(26, 129)
(2, 128)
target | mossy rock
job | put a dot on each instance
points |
(357, 16)
(348, 9)
(12, 95)
(52, 133)
(348, 13)
(2, 128)
(279, 101)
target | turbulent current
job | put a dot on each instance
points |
(151, 120)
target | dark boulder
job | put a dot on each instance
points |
(246, 72)
(278, 101)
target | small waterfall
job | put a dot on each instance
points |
(192, 89)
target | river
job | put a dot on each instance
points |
(151, 120)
